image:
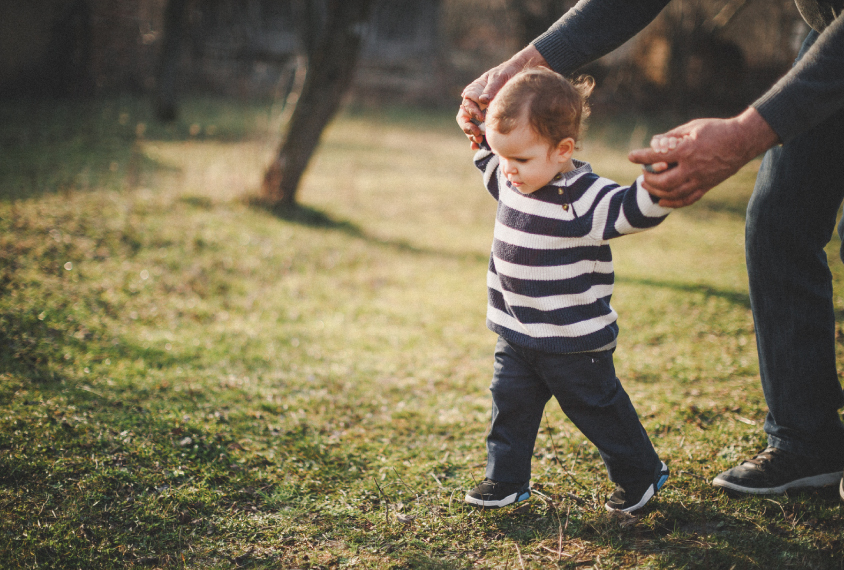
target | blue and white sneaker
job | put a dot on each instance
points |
(492, 495)
(633, 499)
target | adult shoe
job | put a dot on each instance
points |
(774, 471)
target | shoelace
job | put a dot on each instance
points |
(766, 459)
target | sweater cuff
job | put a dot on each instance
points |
(555, 52)
(780, 115)
(648, 203)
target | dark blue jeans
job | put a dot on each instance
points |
(589, 393)
(790, 219)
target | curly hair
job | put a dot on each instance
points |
(556, 107)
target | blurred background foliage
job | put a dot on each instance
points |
(699, 57)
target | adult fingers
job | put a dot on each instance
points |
(464, 120)
(670, 184)
(495, 80)
(474, 90)
(472, 109)
(674, 187)
(686, 201)
(665, 167)
(646, 156)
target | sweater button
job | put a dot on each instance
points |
(566, 207)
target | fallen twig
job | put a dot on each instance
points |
(385, 499)
(559, 553)
(519, 552)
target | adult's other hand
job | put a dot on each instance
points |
(706, 152)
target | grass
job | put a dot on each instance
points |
(191, 381)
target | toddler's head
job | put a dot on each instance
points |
(554, 107)
(534, 123)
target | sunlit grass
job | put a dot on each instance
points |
(188, 380)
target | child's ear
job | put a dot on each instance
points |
(565, 149)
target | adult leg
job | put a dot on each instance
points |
(790, 219)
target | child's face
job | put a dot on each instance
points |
(527, 160)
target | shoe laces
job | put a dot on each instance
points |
(767, 458)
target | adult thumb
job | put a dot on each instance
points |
(645, 156)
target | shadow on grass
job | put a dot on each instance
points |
(81, 164)
(733, 297)
(706, 537)
(733, 536)
(313, 218)
(54, 146)
(36, 350)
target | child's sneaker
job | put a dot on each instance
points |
(636, 497)
(492, 495)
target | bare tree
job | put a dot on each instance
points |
(331, 64)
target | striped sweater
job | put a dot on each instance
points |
(550, 275)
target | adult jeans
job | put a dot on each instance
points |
(790, 219)
(589, 393)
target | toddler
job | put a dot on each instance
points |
(550, 280)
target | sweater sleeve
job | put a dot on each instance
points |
(628, 210)
(593, 28)
(811, 91)
(487, 163)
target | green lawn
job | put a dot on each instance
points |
(188, 380)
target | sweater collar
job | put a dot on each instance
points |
(566, 178)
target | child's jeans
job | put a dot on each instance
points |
(589, 393)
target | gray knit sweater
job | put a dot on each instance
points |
(809, 93)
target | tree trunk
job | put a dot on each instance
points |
(330, 72)
(168, 67)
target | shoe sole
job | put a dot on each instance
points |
(508, 500)
(814, 482)
(841, 489)
(646, 497)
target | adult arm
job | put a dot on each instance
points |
(589, 30)
(712, 150)
(813, 89)
(593, 28)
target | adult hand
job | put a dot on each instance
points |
(468, 111)
(478, 94)
(706, 151)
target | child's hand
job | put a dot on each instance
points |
(662, 144)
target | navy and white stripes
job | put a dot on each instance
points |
(550, 275)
